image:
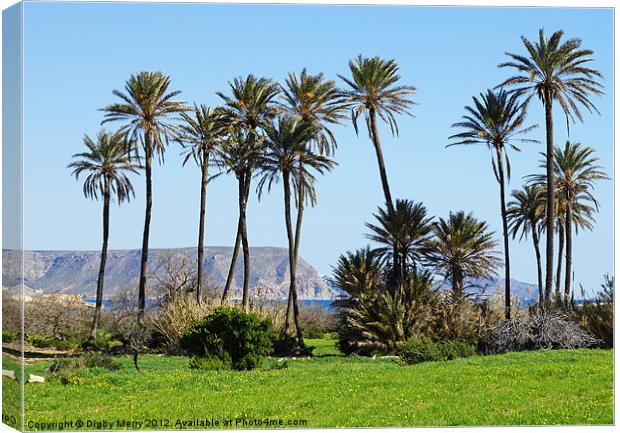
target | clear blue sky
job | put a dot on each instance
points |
(76, 54)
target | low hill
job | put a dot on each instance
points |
(75, 272)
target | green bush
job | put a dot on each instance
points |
(314, 332)
(41, 342)
(104, 341)
(86, 361)
(209, 363)
(229, 333)
(416, 350)
(9, 336)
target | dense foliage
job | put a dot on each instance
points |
(416, 350)
(230, 335)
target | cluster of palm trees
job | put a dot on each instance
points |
(263, 130)
(554, 71)
(270, 132)
(392, 294)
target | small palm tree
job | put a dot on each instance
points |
(106, 164)
(375, 92)
(146, 107)
(403, 231)
(462, 248)
(200, 134)
(248, 109)
(525, 216)
(286, 150)
(496, 121)
(359, 274)
(554, 72)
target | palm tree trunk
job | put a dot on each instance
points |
(536, 241)
(104, 256)
(558, 273)
(291, 254)
(244, 239)
(568, 226)
(233, 263)
(382, 171)
(550, 198)
(235, 254)
(502, 193)
(289, 308)
(201, 227)
(147, 226)
(300, 214)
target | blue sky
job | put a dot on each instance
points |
(76, 54)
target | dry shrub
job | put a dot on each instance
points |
(597, 315)
(11, 312)
(547, 330)
(177, 315)
(317, 320)
(57, 316)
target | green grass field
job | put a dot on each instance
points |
(544, 387)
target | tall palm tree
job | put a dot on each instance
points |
(147, 108)
(286, 150)
(375, 92)
(554, 71)
(317, 101)
(201, 134)
(576, 170)
(496, 120)
(462, 248)
(248, 109)
(403, 231)
(525, 216)
(106, 164)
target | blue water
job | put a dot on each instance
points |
(107, 303)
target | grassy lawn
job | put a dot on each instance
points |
(545, 387)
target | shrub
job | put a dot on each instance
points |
(41, 342)
(105, 341)
(86, 361)
(230, 333)
(597, 315)
(547, 330)
(176, 316)
(375, 323)
(209, 363)
(317, 320)
(9, 336)
(313, 332)
(416, 350)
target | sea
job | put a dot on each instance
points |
(323, 303)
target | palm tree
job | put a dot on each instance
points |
(248, 110)
(554, 71)
(403, 231)
(106, 164)
(525, 216)
(200, 134)
(496, 120)
(146, 107)
(286, 150)
(374, 92)
(317, 101)
(359, 273)
(576, 170)
(462, 248)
